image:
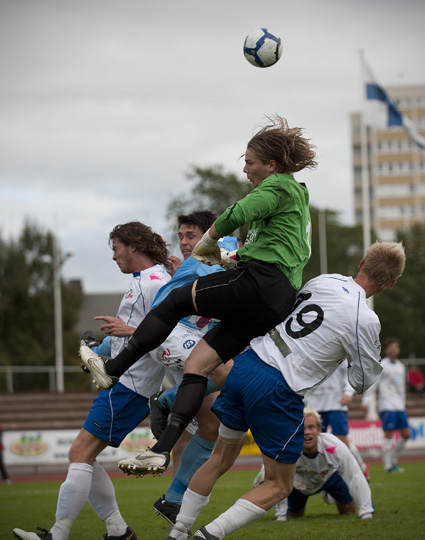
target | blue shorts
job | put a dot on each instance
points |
(392, 420)
(335, 486)
(338, 420)
(115, 413)
(257, 397)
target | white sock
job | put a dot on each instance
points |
(357, 456)
(240, 514)
(192, 504)
(281, 509)
(386, 453)
(178, 533)
(72, 497)
(102, 499)
(398, 448)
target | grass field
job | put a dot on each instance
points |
(399, 504)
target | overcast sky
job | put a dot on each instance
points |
(105, 104)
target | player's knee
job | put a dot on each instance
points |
(179, 420)
(283, 491)
(74, 454)
(293, 514)
(277, 489)
(208, 430)
(347, 509)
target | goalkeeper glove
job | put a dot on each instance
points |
(228, 259)
(207, 250)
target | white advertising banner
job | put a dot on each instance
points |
(51, 447)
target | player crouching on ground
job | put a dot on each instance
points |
(328, 467)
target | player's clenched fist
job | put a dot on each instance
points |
(207, 250)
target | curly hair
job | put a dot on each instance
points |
(144, 239)
(278, 142)
(384, 263)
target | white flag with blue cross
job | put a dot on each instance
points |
(380, 111)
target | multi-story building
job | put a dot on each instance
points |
(396, 167)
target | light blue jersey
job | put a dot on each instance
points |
(189, 271)
(105, 348)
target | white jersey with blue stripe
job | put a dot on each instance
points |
(189, 271)
(327, 396)
(145, 376)
(391, 387)
(330, 322)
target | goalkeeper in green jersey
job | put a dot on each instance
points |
(255, 293)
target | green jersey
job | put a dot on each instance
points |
(278, 214)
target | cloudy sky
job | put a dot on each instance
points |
(105, 104)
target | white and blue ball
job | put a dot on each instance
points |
(262, 48)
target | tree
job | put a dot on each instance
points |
(343, 246)
(26, 302)
(214, 189)
(401, 310)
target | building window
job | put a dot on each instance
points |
(395, 190)
(399, 211)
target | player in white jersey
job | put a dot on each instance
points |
(328, 467)
(139, 251)
(194, 447)
(391, 389)
(331, 400)
(264, 390)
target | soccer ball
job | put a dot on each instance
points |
(262, 48)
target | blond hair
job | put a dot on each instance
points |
(315, 414)
(384, 263)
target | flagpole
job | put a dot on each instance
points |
(364, 162)
(365, 168)
(372, 411)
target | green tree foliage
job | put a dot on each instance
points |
(344, 247)
(401, 309)
(213, 189)
(27, 334)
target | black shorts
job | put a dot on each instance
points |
(249, 300)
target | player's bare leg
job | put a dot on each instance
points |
(188, 402)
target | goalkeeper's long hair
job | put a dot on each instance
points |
(144, 239)
(286, 146)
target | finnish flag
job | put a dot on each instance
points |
(381, 112)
